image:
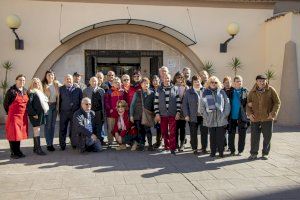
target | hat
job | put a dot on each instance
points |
(261, 76)
(76, 74)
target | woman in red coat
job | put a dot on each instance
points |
(15, 103)
(129, 90)
(124, 131)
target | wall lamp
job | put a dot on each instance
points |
(232, 30)
(14, 22)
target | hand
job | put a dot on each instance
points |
(252, 118)
(35, 117)
(250, 104)
(111, 111)
(157, 118)
(187, 118)
(132, 119)
(177, 117)
(270, 116)
(94, 137)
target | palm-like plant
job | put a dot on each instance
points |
(7, 66)
(235, 65)
(271, 75)
(209, 67)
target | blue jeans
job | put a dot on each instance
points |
(100, 132)
(50, 124)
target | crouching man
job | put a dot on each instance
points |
(85, 129)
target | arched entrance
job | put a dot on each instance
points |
(89, 34)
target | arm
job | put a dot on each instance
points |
(226, 104)
(185, 108)
(178, 103)
(249, 109)
(30, 105)
(156, 102)
(133, 104)
(276, 103)
(79, 125)
(9, 98)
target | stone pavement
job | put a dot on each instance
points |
(126, 175)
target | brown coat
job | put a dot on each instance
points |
(263, 104)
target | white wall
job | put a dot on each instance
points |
(40, 31)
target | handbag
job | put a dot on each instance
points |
(147, 115)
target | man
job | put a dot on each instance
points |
(262, 108)
(85, 129)
(110, 77)
(204, 77)
(167, 107)
(69, 102)
(136, 78)
(187, 76)
(77, 81)
(100, 77)
(237, 118)
(96, 94)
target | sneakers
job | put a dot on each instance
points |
(252, 157)
(134, 146)
(265, 157)
(121, 147)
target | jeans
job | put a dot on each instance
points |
(168, 131)
(242, 128)
(143, 131)
(50, 124)
(217, 135)
(266, 128)
(100, 135)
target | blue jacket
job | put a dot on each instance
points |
(190, 104)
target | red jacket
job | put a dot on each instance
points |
(130, 129)
(128, 94)
(112, 96)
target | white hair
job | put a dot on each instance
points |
(86, 100)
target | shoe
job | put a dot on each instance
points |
(212, 155)
(204, 151)
(150, 148)
(156, 145)
(181, 148)
(239, 154)
(20, 154)
(232, 154)
(265, 157)
(108, 146)
(134, 146)
(121, 147)
(252, 157)
(173, 152)
(14, 156)
(195, 152)
(221, 156)
(63, 148)
(37, 146)
(50, 148)
(141, 148)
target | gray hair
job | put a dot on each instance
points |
(86, 100)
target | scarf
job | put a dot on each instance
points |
(121, 123)
(115, 92)
(43, 99)
(214, 100)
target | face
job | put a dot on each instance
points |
(116, 84)
(50, 77)
(179, 79)
(37, 85)
(167, 80)
(100, 78)
(86, 106)
(76, 79)
(145, 85)
(204, 76)
(238, 83)
(261, 83)
(227, 84)
(94, 82)
(163, 72)
(137, 78)
(213, 84)
(120, 109)
(68, 81)
(110, 76)
(126, 80)
(187, 74)
(197, 84)
(20, 82)
(155, 82)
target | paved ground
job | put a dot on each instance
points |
(152, 175)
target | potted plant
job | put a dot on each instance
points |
(209, 67)
(271, 75)
(235, 65)
(7, 66)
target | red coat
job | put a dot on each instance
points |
(128, 94)
(111, 98)
(17, 121)
(130, 129)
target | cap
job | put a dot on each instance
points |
(261, 76)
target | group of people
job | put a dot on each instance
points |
(129, 111)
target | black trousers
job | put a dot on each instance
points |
(217, 135)
(158, 133)
(194, 134)
(15, 147)
(180, 131)
(242, 129)
(266, 128)
(66, 120)
(143, 131)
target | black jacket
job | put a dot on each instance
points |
(10, 96)
(69, 101)
(98, 105)
(34, 106)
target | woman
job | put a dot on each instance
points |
(142, 99)
(16, 127)
(128, 89)
(51, 90)
(154, 88)
(227, 87)
(180, 82)
(123, 130)
(37, 106)
(192, 113)
(215, 108)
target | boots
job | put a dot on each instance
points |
(37, 146)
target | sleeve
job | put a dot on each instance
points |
(203, 111)
(178, 103)
(115, 128)
(79, 125)
(133, 104)
(156, 102)
(30, 105)
(249, 109)
(59, 99)
(84, 93)
(80, 96)
(276, 103)
(226, 104)
(9, 98)
(185, 107)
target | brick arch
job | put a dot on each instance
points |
(62, 49)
